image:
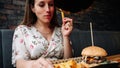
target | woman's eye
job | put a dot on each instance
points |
(51, 4)
(42, 4)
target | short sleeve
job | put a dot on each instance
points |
(19, 50)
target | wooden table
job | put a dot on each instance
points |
(111, 58)
(114, 57)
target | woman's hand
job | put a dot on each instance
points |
(42, 63)
(67, 26)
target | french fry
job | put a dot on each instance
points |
(62, 13)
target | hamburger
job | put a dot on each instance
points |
(93, 55)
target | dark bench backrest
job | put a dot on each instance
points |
(109, 40)
(1, 61)
(7, 35)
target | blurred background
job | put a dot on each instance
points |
(104, 14)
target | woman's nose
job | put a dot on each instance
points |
(47, 8)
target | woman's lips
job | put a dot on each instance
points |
(48, 16)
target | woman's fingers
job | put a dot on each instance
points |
(66, 20)
(45, 63)
(68, 26)
(67, 23)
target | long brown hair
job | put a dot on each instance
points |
(30, 18)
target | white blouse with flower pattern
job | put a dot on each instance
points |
(28, 44)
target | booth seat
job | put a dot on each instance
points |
(109, 40)
(6, 48)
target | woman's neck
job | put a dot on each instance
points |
(42, 24)
(43, 28)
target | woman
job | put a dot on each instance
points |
(39, 39)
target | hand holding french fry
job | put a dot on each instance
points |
(67, 26)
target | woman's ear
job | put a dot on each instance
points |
(32, 8)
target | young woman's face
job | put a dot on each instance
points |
(44, 10)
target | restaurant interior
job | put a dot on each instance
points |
(96, 22)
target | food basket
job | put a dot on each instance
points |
(107, 64)
(77, 59)
(70, 63)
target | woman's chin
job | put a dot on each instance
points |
(47, 21)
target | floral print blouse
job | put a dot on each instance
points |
(28, 43)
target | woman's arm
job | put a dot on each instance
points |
(21, 63)
(67, 47)
(67, 27)
(39, 63)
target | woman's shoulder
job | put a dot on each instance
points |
(22, 27)
(58, 29)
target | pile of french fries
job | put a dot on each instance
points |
(71, 64)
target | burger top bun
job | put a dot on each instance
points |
(93, 51)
